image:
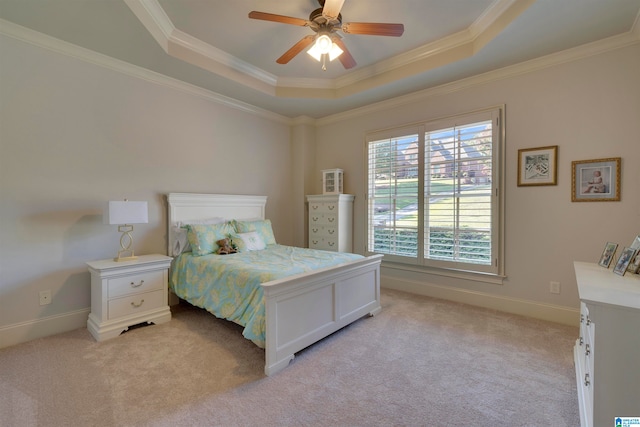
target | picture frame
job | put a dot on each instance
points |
(634, 265)
(538, 166)
(623, 262)
(596, 180)
(607, 254)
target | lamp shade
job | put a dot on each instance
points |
(126, 212)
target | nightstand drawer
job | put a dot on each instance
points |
(135, 304)
(134, 284)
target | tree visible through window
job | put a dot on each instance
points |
(433, 196)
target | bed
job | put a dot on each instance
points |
(299, 309)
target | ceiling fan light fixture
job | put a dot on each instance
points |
(334, 52)
(324, 46)
(315, 53)
(323, 43)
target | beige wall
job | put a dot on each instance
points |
(75, 135)
(590, 108)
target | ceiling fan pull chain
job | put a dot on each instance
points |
(324, 62)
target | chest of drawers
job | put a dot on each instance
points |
(606, 352)
(127, 293)
(331, 222)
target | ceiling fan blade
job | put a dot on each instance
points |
(332, 8)
(374, 29)
(296, 49)
(278, 18)
(346, 59)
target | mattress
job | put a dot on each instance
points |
(228, 286)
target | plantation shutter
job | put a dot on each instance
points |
(433, 193)
(393, 195)
(458, 194)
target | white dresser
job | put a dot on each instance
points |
(331, 222)
(607, 353)
(127, 293)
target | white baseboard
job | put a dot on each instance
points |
(18, 333)
(553, 313)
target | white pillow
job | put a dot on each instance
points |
(252, 241)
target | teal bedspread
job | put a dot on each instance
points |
(228, 286)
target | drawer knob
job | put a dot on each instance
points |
(331, 243)
(587, 381)
(587, 350)
(315, 218)
(314, 207)
(331, 208)
(588, 321)
(581, 341)
(332, 231)
(315, 230)
(315, 242)
(134, 305)
(331, 219)
(133, 285)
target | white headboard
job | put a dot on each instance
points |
(190, 206)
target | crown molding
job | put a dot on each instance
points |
(587, 50)
(440, 52)
(194, 51)
(52, 44)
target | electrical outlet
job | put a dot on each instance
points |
(554, 287)
(45, 297)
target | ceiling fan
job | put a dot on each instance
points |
(325, 22)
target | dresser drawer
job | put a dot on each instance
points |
(135, 304)
(134, 284)
(324, 243)
(323, 218)
(323, 207)
(323, 231)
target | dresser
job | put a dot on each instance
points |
(607, 353)
(127, 293)
(331, 222)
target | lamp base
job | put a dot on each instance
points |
(125, 255)
(126, 241)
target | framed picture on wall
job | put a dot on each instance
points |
(595, 180)
(607, 254)
(624, 260)
(538, 166)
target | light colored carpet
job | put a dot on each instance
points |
(420, 362)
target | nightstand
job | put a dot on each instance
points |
(127, 293)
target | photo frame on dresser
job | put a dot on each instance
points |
(607, 254)
(634, 265)
(624, 260)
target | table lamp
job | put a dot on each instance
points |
(125, 214)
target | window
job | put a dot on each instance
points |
(434, 196)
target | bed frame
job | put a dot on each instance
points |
(302, 309)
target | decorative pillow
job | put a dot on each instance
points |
(203, 237)
(250, 241)
(262, 227)
(179, 232)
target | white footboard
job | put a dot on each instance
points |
(303, 309)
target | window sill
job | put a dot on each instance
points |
(456, 274)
